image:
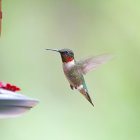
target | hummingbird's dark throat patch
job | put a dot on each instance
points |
(66, 59)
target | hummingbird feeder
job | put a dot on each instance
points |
(14, 104)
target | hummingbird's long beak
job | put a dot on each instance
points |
(56, 50)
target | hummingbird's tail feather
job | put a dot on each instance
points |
(86, 95)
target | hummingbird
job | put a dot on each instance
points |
(75, 70)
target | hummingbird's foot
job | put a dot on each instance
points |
(71, 87)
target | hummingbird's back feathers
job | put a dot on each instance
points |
(88, 64)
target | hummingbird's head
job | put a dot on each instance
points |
(67, 55)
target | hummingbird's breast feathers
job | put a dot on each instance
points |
(73, 74)
(68, 65)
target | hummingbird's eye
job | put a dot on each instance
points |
(66, 52)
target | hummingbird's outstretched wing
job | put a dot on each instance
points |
(88, 64)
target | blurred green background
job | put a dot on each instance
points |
(88, 27)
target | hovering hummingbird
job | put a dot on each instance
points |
(74, 70)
